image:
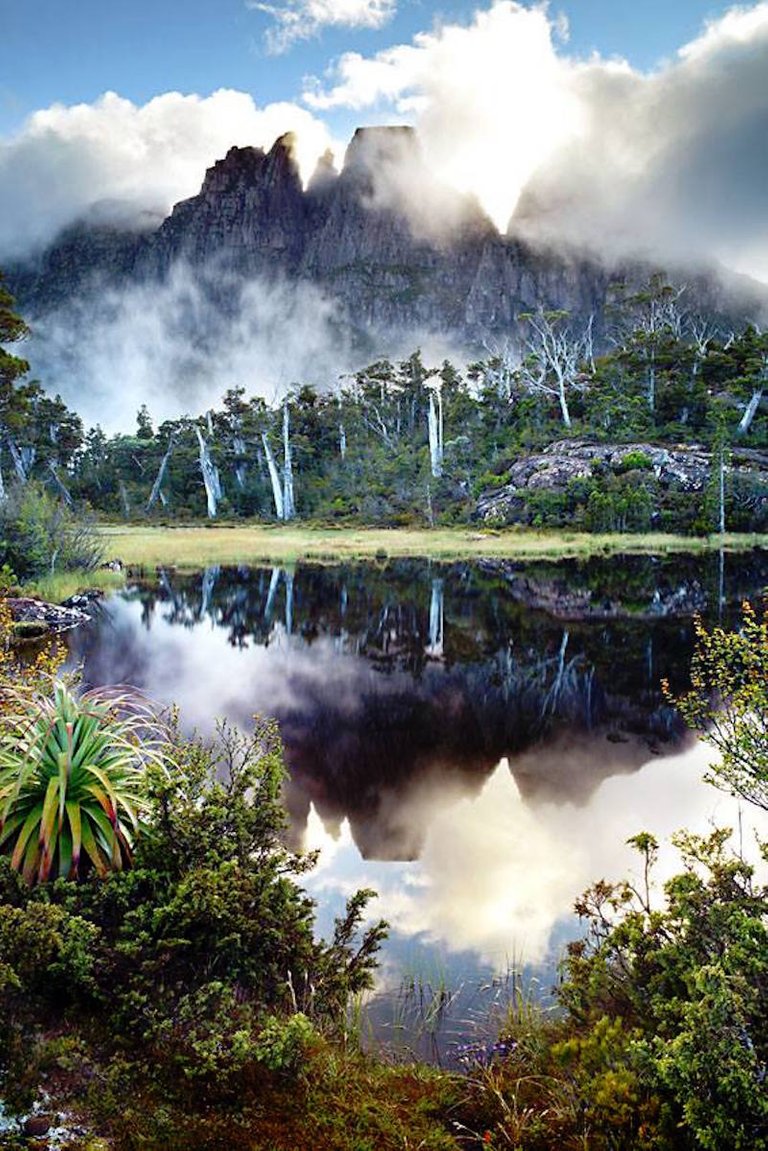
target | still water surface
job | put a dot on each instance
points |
(476, 742)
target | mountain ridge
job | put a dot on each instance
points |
(394, 251)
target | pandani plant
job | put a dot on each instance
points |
(71, 768)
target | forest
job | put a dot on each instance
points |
(407, 443)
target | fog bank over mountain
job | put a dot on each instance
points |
(579, 151)
(264, 281)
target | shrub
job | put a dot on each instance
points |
(39, 534)
(195, 951)
(70, 785)
(634, 461)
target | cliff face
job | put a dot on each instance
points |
(394, 251)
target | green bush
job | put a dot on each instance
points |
(40, 534)
(635, 461)
(200, 959)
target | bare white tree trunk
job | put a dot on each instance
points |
(500, 368)
(435, 646)
(563, 402)
(342, 441)
(124, 499)
(274, 477)
(60, 483)
(289, 600)
(23, 459)
(435, 426)
(289, 508)
(210, 474)
(274, 582)
(210, 576)
(751, 411)
(238, 444)
(555, 357)
(157, 485)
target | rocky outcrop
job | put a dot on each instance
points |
(684, 467)
(46, 617)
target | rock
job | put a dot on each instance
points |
(561, 599)
(684, 467)
(37, 1125)
(84, 598)
(30, 628)
(57, 618)
(397, 255)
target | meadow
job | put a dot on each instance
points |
(195, 546)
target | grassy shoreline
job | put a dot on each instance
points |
(199, 545)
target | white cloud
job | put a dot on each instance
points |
(498, 875)
(490, 99)
(65, 159)
(304, 19)
(586, 151)
(671, 162)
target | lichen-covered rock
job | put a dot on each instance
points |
(565, 600)
(684, 467)
(57, 617)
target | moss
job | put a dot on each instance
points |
(30, 629)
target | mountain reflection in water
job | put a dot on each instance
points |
(474, 741)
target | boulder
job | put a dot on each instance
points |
(55, 617)
(681, 467)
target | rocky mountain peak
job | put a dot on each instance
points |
(399, 256)
(239, 166)
(381, 147)
(325, 174)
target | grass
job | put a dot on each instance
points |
(61, 585)
(337, 1101)
(201, 545)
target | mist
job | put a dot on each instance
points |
(168, 346)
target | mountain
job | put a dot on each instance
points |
(395, 256)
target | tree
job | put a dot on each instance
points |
(14, 398)
(144, 429)
(556, 357)
(728, 703)
(645, 323)
(750, 353)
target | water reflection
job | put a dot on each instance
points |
(498, 877)
(475, 742)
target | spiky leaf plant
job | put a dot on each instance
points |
(70, 780)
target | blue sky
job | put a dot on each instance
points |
(71, 51)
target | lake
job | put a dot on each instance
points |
(475, 741)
